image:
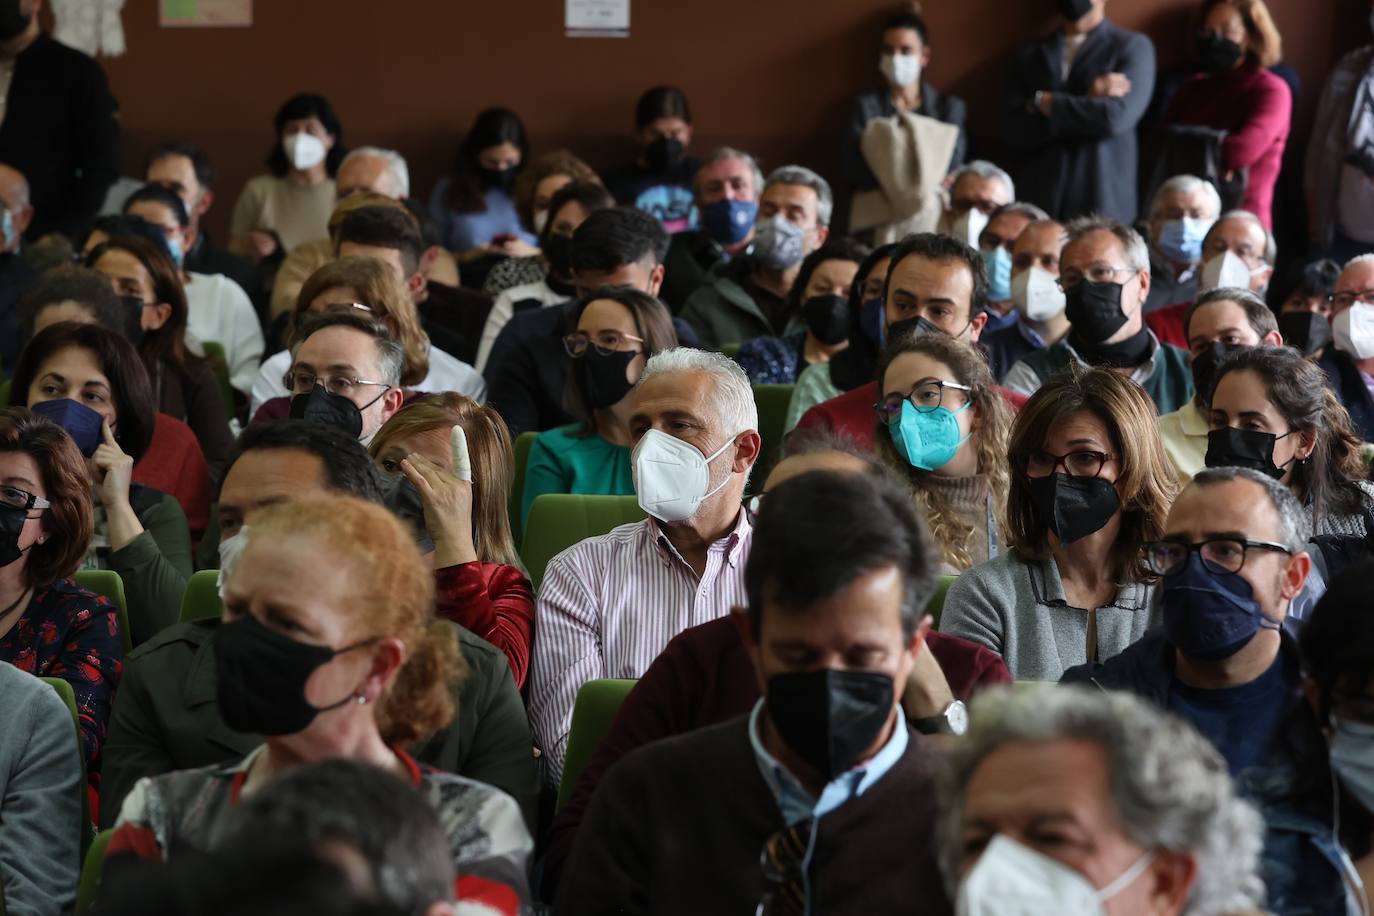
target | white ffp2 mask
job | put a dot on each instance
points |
(671, 476)
(1227, 269)
(901, 70)
(1015, 880)
(1352, 330)
(968, 226)
(303, 150)
(1037, 294)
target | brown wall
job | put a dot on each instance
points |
(764, 75)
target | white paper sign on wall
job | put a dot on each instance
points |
(597, 18)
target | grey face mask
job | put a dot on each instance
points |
(400, 496)
(778, 242)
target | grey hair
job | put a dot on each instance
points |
(800, 174)
(981, 168)
(1137, 254)
(1186, 184)
(1271, 247)
(1366, 258)
(733, 398)
(1020, 208)
(1169, 785)
(391, 356)
(395, 163)
(722, 153)
(1295, 525)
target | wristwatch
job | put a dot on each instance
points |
(953, 721)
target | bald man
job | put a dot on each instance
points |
(15, 274)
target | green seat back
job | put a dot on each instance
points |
(560, 520)
(201, 599)
(595, 709)
(64, 690)
(731, 350)
(771, 401)
(523, 443)
(936, 604)
(106, 582)
(90, 871)
(219, 364)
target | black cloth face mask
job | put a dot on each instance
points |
(1205, 368)
(1073, 507)
(664, 154)
(11, 526)
(827, 318)
(1307, 332)
(260, 678)
(558, 252)
(911, 328)
(1094, 310)
(605, 377)
(1074, 10)
(829, 717)
(1217, 54)
(498, 179)
(400, 496)
(133, 318)
(1244, 448)
(322, 406)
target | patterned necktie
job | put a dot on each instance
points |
(784, 871)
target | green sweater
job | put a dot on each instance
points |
(156, 564)
(561, 462)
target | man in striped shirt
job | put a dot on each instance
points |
(610, 604)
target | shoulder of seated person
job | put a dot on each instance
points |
(179, 637)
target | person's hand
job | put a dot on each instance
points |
(1046, 102)
(447, 501)
(927, 691)
(261, 243)
(517, 248)
(1110, 85)
(112, 469)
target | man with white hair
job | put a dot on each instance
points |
(748, 298)
(975, 191)
(610, 604)
(1073, 801)
(1349, 362)
(1182, 211)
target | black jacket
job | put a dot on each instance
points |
(1350, 388)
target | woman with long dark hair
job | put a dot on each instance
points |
(474, 206)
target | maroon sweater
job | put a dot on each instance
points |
(704, 677)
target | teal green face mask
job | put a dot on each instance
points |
(927, 439)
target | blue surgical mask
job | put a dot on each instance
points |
(729, 222)
(1181, 239)
(175, 250)
(80, 422)
(871, 320)
(1352, 757)
(998, 265)
(7, 227)
(928, 439)
(1207, 615)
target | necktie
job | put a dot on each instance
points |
(784, 871)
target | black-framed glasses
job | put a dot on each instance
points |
(15, 498)
(1225, 556)
(924, 396)
(1098, 273)
(1082, 463)
(302, 381)
(603, 342)
(1347, 298)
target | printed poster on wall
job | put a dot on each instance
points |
(203, 13)
(597, 18)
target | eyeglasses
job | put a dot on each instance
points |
(300, 381)
(1346, 299)
(925, 397)
(1100, 273)
(1219, 555)
(603, 342)
(15, 498)
(1083, 463)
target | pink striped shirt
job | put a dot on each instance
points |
(609, 605)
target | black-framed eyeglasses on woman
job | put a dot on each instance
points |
(1082, 463)
(15, 498)
(603, 342)
(925, 396)
(1224, 556)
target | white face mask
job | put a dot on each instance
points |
(1037, 294)
(1226, 269)
(901, 70)
(967, 227)
(230, 549)
(671, 477)
(1353, 330)
(303, 150)
(1015, 880)
(540, 220)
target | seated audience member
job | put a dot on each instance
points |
(608, 605)
(1349, 361)
(659, 180)
(527, 370)
(617, 331)
(472, 205)
(935, 284)
(184, 385)
(346, 372)
(1157, 825)
(545, 176)
(943, 429)
(217, 308)
(996, 246)
(1230, 561)
(1218, 322)
(1272, 412)
(976, 190)
(74, 293)
(457, 456)
(52, 627)
(184, 169)
(726, 189)
(568, 208)
(15, 271)
(1238, 253)
(1105, 274)
(1089, 485)
(345, 660)
(748, 297)
(836, 586)
(1337, 646)
(166, 716)
(40, 786)
(278, 211)
(1181, 213)
(855, 365)
(90, 381)
(1305, 307)
(704, 676)
(820, 295)
(1035, 293)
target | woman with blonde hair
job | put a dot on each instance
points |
(1090, 485)
(943, 428)
(425, 450)
(342, 658)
